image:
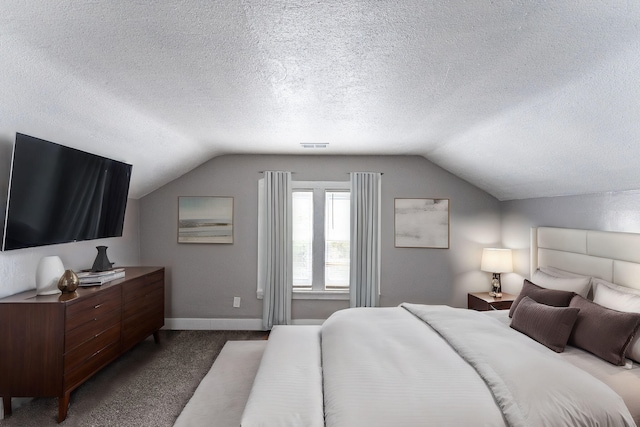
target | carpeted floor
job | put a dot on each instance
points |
(147, 386)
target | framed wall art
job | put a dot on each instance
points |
(206, 219)
(421, 223)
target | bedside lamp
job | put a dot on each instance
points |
(496, 261)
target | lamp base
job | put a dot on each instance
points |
(496, 286)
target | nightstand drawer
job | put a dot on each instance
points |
(501, 305)
(482, 301)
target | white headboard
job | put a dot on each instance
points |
(611, 256)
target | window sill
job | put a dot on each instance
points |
(327, 295)
(318, 295)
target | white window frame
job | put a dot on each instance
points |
(321, 186)
(319, 189)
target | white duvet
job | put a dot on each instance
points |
(399, 367)
(383, 367)
(418, 365)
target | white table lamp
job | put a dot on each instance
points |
(496, 261)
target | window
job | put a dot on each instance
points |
(302, 248)
(321, 237)
(336, 239)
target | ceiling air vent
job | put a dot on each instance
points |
(314, 144)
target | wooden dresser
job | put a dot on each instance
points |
(49, 345)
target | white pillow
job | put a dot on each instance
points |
(579, 285)
(629, 302)
(603, 283)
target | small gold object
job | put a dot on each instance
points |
(69, 281)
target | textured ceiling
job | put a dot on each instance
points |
(521, 98)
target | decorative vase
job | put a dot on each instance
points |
(49, 270)
(101, 263)
(68, 282)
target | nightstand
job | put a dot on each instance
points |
(482, 301)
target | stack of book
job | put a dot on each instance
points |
(91, 278)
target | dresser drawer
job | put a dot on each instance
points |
(141, 326)
(142, 317)
(151, 314)
(151, 300)
(92, 307)
(90, 347)
(91, 365)
(91, 328)
(138, 289)
(156, 277)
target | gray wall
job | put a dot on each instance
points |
(203, 279)
(605, 211)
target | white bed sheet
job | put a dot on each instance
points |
(624, 381)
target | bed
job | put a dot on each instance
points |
(556, 358)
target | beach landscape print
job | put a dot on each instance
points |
(205, 219)
(422, 223)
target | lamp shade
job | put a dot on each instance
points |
(496, 260)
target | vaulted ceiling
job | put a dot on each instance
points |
(521, 98)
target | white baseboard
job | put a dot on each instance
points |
(193, 324)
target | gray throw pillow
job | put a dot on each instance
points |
(542, 295)
(604, 332)
(550, 326)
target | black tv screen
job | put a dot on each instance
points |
(59, 194)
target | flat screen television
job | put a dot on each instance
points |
(58, 194)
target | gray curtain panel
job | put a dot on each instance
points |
(364, 283)
(276, 266)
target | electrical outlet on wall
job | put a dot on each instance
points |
(236, 302)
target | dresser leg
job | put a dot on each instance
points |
(156, 337)
(6, 404)
(63, 406)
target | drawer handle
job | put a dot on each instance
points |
(96, 353)
(97, 306)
